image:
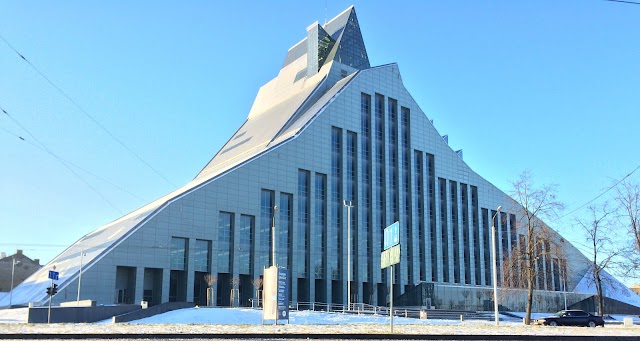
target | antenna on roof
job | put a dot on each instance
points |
(325, 12)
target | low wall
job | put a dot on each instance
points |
(155, 310)
(79, 314)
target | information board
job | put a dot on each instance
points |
(275, 294)
(390, 256)
(391, 235)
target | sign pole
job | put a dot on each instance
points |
(391, 297)
(50, 298)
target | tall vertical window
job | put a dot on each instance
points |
(547, 265)
(283, 229)
(366, 161)
(393, 158)
(496, 223)
(245, 244)
(476, 234)
(352, 189)
(486, 232)
(466, 246)
(380, 188)
(405, 130)
(419, 183)
(556, 275)
(504, 241)
(431, 183)
(267, 203)
(320, 220)
(304, 200)
(336, 201)
(513, 231)
(201, 252)
(225, 223)
(178, 254)
(444, 230)
(455, 231)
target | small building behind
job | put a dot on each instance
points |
(24, 268)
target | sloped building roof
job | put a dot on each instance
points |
(282, 108)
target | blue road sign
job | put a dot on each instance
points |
(392, 235)
(53, 275)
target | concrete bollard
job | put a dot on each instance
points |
(461, 318)
(627, 322)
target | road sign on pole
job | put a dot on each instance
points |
(390, 256)
(53, 275)
(391, 235)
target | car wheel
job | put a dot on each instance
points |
(553, 324)
(592, 324)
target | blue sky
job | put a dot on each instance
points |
(546, 86)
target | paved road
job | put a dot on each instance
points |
(180, 337)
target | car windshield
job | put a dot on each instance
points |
(559, 314)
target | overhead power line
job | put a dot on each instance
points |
(601, 194)
(85, 112)
(70, 163)
(60, 160)
(626, 2)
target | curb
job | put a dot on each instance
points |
(313, 337)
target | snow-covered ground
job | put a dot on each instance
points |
(225, 320)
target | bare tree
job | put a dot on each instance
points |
(235, 291)
(210, 280)
(532, 204)
(598, 232)
(628, 197)
(257, 284)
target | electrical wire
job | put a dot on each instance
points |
(626, 2)
(599, 195)
(85, 112)
(71, 163)
(63, 163)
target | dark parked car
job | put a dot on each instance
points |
(571, 318)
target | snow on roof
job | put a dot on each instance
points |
(611, 288)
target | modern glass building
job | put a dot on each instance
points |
(329, 128)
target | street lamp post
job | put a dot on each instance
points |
(349, 207)
(14, 262)
(273, 236)
(495, 266)
(82, 254)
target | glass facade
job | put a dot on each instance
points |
(420, 212)
(267, 203)
(304, 228)
(225, 226)
(486, 231)
(444, 229)
(431, 185)
(178, 253)
(318, 253)
(352, 191)
(455, 246)
(284, 230)
(476, 235)
(201, 255)
(405, 135)
(336, 201)
(246, 233)
(366, 180)
(464, 238)
(352, 51)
